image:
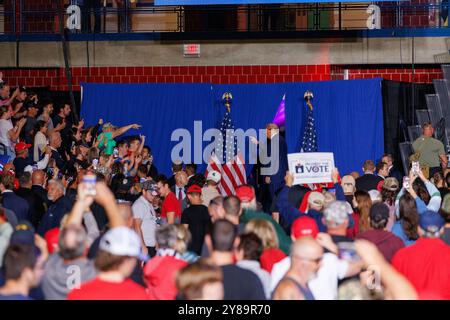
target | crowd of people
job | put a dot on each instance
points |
(85, 214)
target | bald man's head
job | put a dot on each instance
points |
(306, 255)
(38, 177)
(55, 140)
(125, 212)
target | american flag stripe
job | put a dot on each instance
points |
(230, 164)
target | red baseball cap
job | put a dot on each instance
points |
(52, 238)
(303, 227)
(22, 146)
(194, 189)
(245, 193)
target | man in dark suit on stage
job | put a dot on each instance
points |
(368, 181)
(276, 163)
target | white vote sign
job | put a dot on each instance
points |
(311, 167)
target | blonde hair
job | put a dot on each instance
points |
(183, 238)
(265, 231)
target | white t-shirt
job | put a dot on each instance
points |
(5, 127)
(325, 285)
(40, 142)
(143, 210)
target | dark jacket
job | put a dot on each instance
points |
(52, 218)
(368, 182)
(386, 242)
(10, 217)
(37, 208)
(42, 194)
(16, 204)
(277, 178)
(59, 161)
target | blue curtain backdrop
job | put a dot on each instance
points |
(348, 114)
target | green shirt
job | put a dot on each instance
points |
(107, 138)
(430, 149)
(283, 239)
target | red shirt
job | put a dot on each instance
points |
(426, 265)
(160, 274)
(171, 204)
(102, 290)
(270, 257)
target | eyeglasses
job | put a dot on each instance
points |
(317, 260)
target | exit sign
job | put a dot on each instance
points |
(191, 50)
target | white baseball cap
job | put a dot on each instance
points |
(214, 176)
(122, 241)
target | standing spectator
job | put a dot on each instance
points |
(440, 183)
(393, 171)
(445, 213)
(406, 227)
(36, 206)
(63, 118)
(210, 191)
(5, 98)
(179, 189)
(170, 209)
(23, 162)
(61, 205)
(5, 234)
(389, 192)
(106, 139)
(191, 170)
(19, 265)
(54, 144)
(239, 284)
(38, 180)
(368, 181)
(426, 262)
(46, 116)
(386, 242)
(160, 272)
(9, 134)
(249, 212)
(40, 140)
(430, 151)
(348, 185)
(177, 166)
(306, 257)
(29, 127)
(266, 232)
(382, 170)
(196, 218)
(362, 204)
(147, 161)
(12, 201)
(200, 281)
(248, 255)
(336, 220)
(144, 217)
(88, 7)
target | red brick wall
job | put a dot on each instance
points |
(33, 21)
(420, 16)
(421, 75)
(55, 78)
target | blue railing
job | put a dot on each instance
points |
(24, 17)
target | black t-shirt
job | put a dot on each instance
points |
(241, 284)
(199, 221)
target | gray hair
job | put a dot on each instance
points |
(166, 236)
(72, 242)
(59, 184)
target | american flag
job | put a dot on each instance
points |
(309, 142)
(227, 161)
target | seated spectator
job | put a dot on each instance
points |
(160, 271)
(200, 281)
(196, 219)
(19, 264)
(239, 284)
(248, 255)
(386, 242)
(12, 201)
(266, 232)
(368, 181)
(425, 263)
